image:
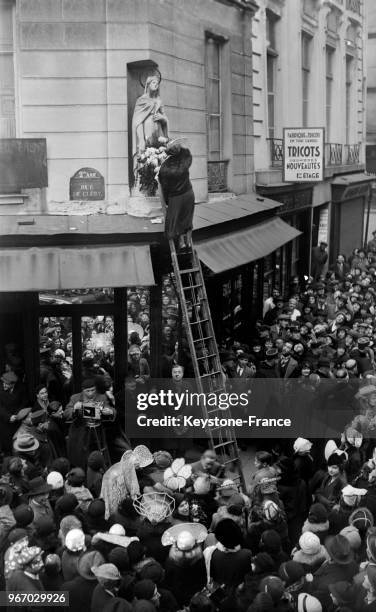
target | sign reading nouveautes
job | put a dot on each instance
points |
(303, 155)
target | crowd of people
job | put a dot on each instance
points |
(144, 528)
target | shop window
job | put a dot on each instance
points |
(98, 354)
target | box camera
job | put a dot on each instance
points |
(92, 411)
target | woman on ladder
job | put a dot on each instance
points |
(177, 193)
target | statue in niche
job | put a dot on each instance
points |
(149, 121)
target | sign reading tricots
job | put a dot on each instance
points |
(303, 155)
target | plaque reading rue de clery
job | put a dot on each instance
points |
(87, 184)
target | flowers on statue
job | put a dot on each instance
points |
(149, 163)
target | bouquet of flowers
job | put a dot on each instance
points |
(149, 163)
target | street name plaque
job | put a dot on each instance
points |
(87, 184)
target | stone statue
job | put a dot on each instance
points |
(149, 120)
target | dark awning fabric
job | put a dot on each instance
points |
(239, 248)
(39, 269)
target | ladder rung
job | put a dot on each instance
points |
(197, 322)
(206, 356)
(192, 287)
(189, 270)
(231, 461)
(216, 411)
(199, 303)
(202, 339)
(222, 444)
(211, 373)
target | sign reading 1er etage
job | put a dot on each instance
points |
(303, 155)
(87, 184)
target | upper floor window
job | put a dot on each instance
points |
(306, 70)
(329, 75)
(349, 95)
(214, 97)
(310, 8)
(271, 68)
(7, 80)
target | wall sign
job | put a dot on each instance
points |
(23, 163)
(87, 184)
(323, 225)
(303, 155)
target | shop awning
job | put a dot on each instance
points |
(239, 248)
(40, 269)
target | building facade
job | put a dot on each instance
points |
(309, 71)
(70, 252)
(72, 71)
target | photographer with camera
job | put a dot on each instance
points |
(88, 411)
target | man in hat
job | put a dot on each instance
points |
(287, 366)
(371, 244)
(319, 259)
(228, 366)
(341, 268)
(341, 566)
(208, 465)
(272, 314)
(270, 302)
(38, 494)
(268, 368)
(244, 374)
(138, 366)
(363, 355)
(81, 439)
(81, 587)
(109, 579)
(13, 398)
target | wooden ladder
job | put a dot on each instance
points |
(204, 352)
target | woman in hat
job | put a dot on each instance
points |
(75, 545)
(262, 565)
(329, 492)
(317, 521)
(368, 602)
(310, 552)
(227, 562)
(38, 424)
(185, 565)
(26, 579)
